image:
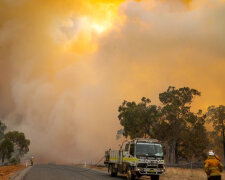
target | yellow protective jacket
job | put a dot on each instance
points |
(213, 167)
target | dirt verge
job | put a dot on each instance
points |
(6, 172)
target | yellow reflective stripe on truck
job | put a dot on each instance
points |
(130, 159)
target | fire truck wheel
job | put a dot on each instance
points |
(155, 177)
(129, 175)
(112, 171)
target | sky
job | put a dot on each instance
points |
(66, 66)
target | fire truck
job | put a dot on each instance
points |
(136, 158)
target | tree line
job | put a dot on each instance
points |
(13, 145)
(182, 131)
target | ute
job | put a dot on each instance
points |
(136, 158)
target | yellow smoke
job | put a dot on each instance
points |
(67, 65)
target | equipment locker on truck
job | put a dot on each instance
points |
(136, 158)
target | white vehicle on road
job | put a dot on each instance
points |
(136, 158)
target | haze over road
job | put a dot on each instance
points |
(63, 172)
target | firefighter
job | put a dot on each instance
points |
(32, 161)
(213, 167)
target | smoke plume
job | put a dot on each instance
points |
(67, 65)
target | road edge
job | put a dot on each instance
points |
(98, 170)
(20, 175)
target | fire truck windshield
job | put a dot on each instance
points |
(149, 149)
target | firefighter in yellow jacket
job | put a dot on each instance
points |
(213, 167)
(32, 161)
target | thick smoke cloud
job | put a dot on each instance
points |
(66, 66)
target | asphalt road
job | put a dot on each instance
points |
(63, 172)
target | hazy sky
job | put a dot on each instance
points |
(66, 65)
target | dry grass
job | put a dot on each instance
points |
(185, 174)
(8, 171)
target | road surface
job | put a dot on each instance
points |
(63, 172)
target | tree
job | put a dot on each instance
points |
(216, 115)
(194, 140)
(138, 120)
(21, 144)
(182, 131)
(12, 142)
(6, 149)
(176, 115)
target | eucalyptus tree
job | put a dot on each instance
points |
(176, 115)
(6, 149)
(12, 143)
(21, 144)
(216, 115)
(138, 119)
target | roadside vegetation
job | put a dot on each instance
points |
(13, 145)
(183, 131)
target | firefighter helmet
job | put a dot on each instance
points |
(211, 153)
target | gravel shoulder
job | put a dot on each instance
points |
(7, 172)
